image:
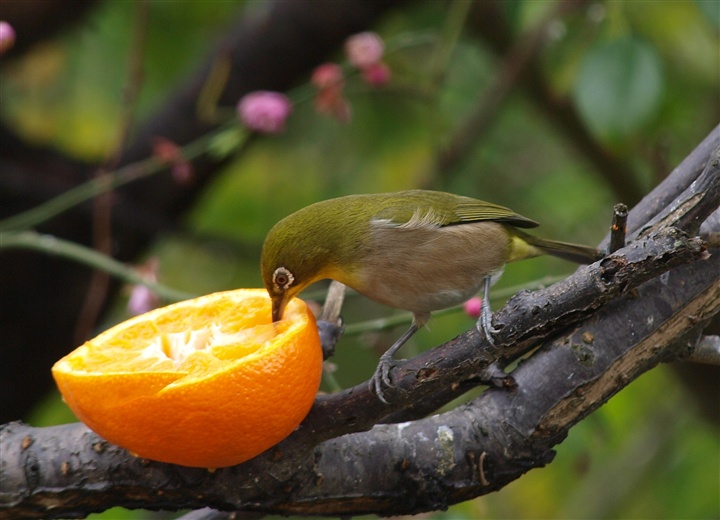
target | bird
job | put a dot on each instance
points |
(417, 250)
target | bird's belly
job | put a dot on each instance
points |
(430, 268)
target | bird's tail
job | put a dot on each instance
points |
(527, 246)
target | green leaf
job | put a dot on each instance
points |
(619, 87)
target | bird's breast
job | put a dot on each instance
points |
(426, 268)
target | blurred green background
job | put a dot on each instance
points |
(645, 77)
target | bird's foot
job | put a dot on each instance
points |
(484, 325)
(484, 322)
(381, 378)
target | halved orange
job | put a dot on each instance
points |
(208, 382)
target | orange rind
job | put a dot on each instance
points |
(208, 382)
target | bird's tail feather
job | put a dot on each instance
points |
(571, 252)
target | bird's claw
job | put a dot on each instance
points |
(487, 331)
(381, 378)
(485, 327)
(484, 322)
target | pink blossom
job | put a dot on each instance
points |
(376, 75)
(171, 154)
(364, 49)
(166, 150)
(472, 307)
(332, 102)
(327, 75)
(142, 300)
(330, 98)
(7, 36)
(264, 111)
(182, 173)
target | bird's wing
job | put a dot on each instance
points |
(479, 211)
(436, 209)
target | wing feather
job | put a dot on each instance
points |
(478, 211)
(418, 208)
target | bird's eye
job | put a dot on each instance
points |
(282, 278)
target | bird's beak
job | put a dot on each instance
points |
(278, 306)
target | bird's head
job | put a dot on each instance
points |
(324, 240)
(295, 254)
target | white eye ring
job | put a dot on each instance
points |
(282, 278)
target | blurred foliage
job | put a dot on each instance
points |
(645, 76)
(619, 87)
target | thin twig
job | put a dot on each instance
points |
(86, 256)
(618, 229)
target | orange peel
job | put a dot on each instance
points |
(208, 382)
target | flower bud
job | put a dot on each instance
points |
(473, 306)
(330, 98)
(327, 75)
(7, 36)
(166, 150)
(171, 154)
(264, 111)
(376, 75)
(182, 173)
(331, 102)
(364, 49)
(142, 300)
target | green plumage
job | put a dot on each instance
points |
(333, 238)
(449, 209)
(415, 250)
(335, 232)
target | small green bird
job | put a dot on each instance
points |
(415, 250)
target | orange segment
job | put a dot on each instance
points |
(208, 382)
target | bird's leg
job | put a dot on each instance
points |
(381, 377)
(330, 324)
(484, 323)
